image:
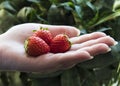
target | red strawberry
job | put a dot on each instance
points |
(35, 46)
(60, 44)
(44, 34)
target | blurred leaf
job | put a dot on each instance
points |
(24, 79)
(78, 11)
(45, 4)
(58, 1)
(104, 29)
(41, 19)
(103, 60)
(116, 5)
(104, 75)
(89, 4)
(7, 5)
(92, 21)
(99, 4)
(14, 79)
(80, 2)
(116, 51)
(35, 1)
(54, 1)
(67, 5)
(1, 1)
(109, 4)
(53, 81)
(4, 78)
(58, 15)
(26, 14)
(46, 75)
(70, 77)
(87, 77)
(6, 20)
(18, 4)
(114, 24)
(107, 18)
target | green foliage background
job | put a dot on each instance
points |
(88, 16)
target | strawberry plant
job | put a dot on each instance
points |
(88, 16)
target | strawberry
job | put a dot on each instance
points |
(60, 44)
(35, 46)
(44, 34)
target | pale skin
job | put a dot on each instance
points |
(14, 58)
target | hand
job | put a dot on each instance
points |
(13, 56)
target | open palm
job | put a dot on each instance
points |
(13, 56)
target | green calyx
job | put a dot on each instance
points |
(68, 39)
(41, 28)
(25, 44)
(34, 30)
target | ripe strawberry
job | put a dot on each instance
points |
(60, 44)
(35, 46)
(44, 34)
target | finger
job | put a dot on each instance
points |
(63, 60)
(87, 37)
(69, 59)
(97, 49)
(72, 58)
(106, 40)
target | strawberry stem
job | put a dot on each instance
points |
(25, 44)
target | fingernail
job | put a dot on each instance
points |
(78, 32)
(91, 57)
(115, 43)
(109, 50)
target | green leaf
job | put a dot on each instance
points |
(79, 11)
(104, 29)
(14, 78)
(26, 14)
(80, 2)
(109, 4)
(103, 75)
(67, 5)
(116, 5)
(51, 81)
(7, 5)
(70, 77)
(58, 15)
(91, 5)
(7, 20)
(116, 51)
(4, 78)
(103, 60)
(46, 75)
(87, 77)
(99, 4)
(35, 1)
(92, 21)
(107, 18)
(18, 4)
